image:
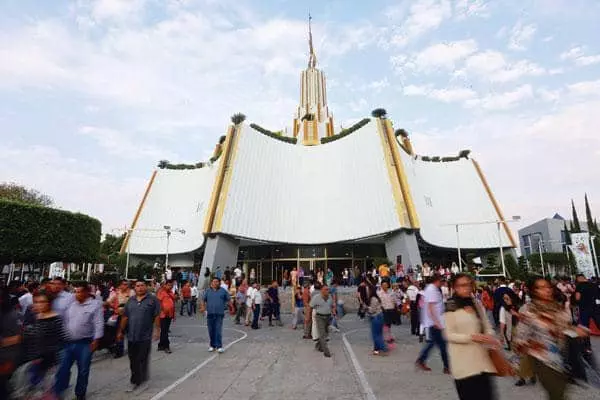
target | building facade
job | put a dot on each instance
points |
(318, 199)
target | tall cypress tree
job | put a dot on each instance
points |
(567, 235)
(575, 227)
(588, 216)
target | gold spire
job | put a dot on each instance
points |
(312, 58)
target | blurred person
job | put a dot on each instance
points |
(469, 335)
(84, 327)
(375, 313)
(541, 334)
(166, 299)
(10, 340)
(215, 301)
(322, 305)
(298, 307)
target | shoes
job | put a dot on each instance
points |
(306, 337)
(141, 387)
(211, 349)
(327, 354)
(131, 388)
(168, 351)
(447, 371)
(380, 353)
(221, 350)
(520, 382)
(80, 397)
(422, 366)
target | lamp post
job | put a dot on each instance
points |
(499, 225)
(168, 229)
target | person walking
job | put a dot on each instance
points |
(117, 300)
(166, 298)
(84, 327)
(141, 320)
(240, 302)
(433, 322)
(298, 307)
(256, 304)
(542, 335)
(186, 299)
(306, 297)
(215, 301)
(411, 293)
(194, 300)
(322, 304)
(375, 312)
(469, 336)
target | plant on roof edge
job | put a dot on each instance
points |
(401, 132)
(379, 113)
(346, 132)
(238, 118)
(163, 164)
(464, 153)
(425, 158)
(436, 159)
(222, 139)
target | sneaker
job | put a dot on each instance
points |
(168, 350)
(221, 350)
(327, 354)
(131, 388)
(520, 382)
(422, 366)
(211, 349)
(447, 371)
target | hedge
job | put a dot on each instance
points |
(345, 132)
(274, 135)
(31, 233)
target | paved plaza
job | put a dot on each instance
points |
(276, 363)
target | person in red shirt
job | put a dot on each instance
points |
(166, 297)
(186, 299)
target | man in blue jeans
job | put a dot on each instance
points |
(215, 301)
(433, 321)
(84, 327)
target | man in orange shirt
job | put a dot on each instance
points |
(186, 298)
(166, 297)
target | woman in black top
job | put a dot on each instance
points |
(42, 340)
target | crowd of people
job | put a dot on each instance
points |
(47, 327)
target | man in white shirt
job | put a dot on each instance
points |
(256, 304)
(411, 292)
(433, 321)
(249, 299)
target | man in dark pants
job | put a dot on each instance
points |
(324, 308)
(215, 301)
(166, 298)
(140, 314)
(84, 327)
(412, 292)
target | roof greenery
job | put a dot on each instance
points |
(275, 135)
(346, 132)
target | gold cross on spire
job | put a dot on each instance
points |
(312, 58)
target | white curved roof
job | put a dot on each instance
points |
(450, 193)
(179, 199)
(310, 194)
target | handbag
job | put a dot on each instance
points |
(501, 364)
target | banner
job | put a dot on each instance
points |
(583, 254)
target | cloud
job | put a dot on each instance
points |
(423, 16)
(469, 8)
(446, 95)
(586, 88)
(75, 185)
(521, 36)
(493, 66)
(120, 144)
(443, 55)
(577, 55)
(502, 101)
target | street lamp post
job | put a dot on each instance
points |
(168, 229)
(458, 247)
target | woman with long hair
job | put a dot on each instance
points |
(470, 336)
(375, 313)
(542, 334)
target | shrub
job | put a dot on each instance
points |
(379, 113)
(238, 118)
(274, 135)
(401, 133)
(346, 132)
(31, 233)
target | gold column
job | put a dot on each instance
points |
(218, 185)
(138, 212)
(494, 203)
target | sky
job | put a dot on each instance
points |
(93, 93)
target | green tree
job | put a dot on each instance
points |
(567, 235)
(588, 216)
(514, 270)
(575, 227)
(12, 191)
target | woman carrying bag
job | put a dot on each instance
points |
(470, 338)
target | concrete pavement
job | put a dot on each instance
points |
(276, 363)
